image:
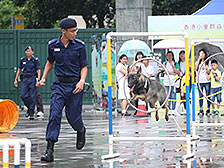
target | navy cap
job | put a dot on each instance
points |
(28, 47)
(68, 23)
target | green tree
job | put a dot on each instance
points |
(176, 7)
(7, 11)
(96, 13)
(45, 13)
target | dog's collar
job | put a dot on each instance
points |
(146, 86)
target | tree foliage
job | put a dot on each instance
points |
(7, 11)
(45, 13)
(96, 13)
(176, 7)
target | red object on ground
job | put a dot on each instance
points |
(141, 107)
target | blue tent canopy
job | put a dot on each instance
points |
(214, 7)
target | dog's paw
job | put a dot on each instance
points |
(167, 118)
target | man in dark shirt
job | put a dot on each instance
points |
(29, 65)
(69, 56)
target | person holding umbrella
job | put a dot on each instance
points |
(204, 83)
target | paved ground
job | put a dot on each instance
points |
(133, 154)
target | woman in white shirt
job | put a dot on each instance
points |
(121, 71)
(203, 81)
(181, 62)
(147, 69)
(173, 69)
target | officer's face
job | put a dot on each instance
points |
(29, 52)
(70, 33)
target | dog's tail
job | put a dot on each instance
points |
(159, 72)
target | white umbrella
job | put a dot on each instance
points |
(131, 47)
(170, 44)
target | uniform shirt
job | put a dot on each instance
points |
(214, 83)
(68, 60)
(29, 67)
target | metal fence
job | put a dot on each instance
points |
(12, 44)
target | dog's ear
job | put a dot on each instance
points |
(139, 70)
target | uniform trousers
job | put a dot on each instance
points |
(61, 97)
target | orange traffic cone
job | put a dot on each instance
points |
(141, 106)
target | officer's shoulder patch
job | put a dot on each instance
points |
(52, 41)
(35, 58)
(79, 41)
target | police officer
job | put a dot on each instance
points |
(29, 65)
(69, 56)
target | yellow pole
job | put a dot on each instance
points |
(187, 85)
(192, 63)
(187, 61)
(193, 83)
(109, 62)
(109, 78)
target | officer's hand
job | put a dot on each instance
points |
(79, 87)
(41, 83)
(15, 83)
(37, 84)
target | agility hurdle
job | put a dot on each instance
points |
(16, 143)
(194, 124)
(188, 137)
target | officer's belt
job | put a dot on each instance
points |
(67, 79)
(28, 76)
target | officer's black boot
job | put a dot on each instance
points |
(31, 112)
(81, 139)
(27, 113)
(48, 156)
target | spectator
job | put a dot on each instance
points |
(203, 81)
(183, 88)
(216, 86)
(173, 69)
(148, 71)
(121, 71)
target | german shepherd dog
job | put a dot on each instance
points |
(148, 90)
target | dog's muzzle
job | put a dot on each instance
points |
(131, 88)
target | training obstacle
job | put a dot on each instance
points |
(194, 124)
(188, 138)
(9, 115)
(16, 143)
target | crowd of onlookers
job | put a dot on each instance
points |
(208, 79)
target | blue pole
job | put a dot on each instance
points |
(193, 101)
(109, 76)
(110, 109)
(188, 109)
(194, 163)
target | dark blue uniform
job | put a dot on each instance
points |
(68, 63)
(28, 84)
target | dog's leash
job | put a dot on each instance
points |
(88, 86)
(178, 126)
